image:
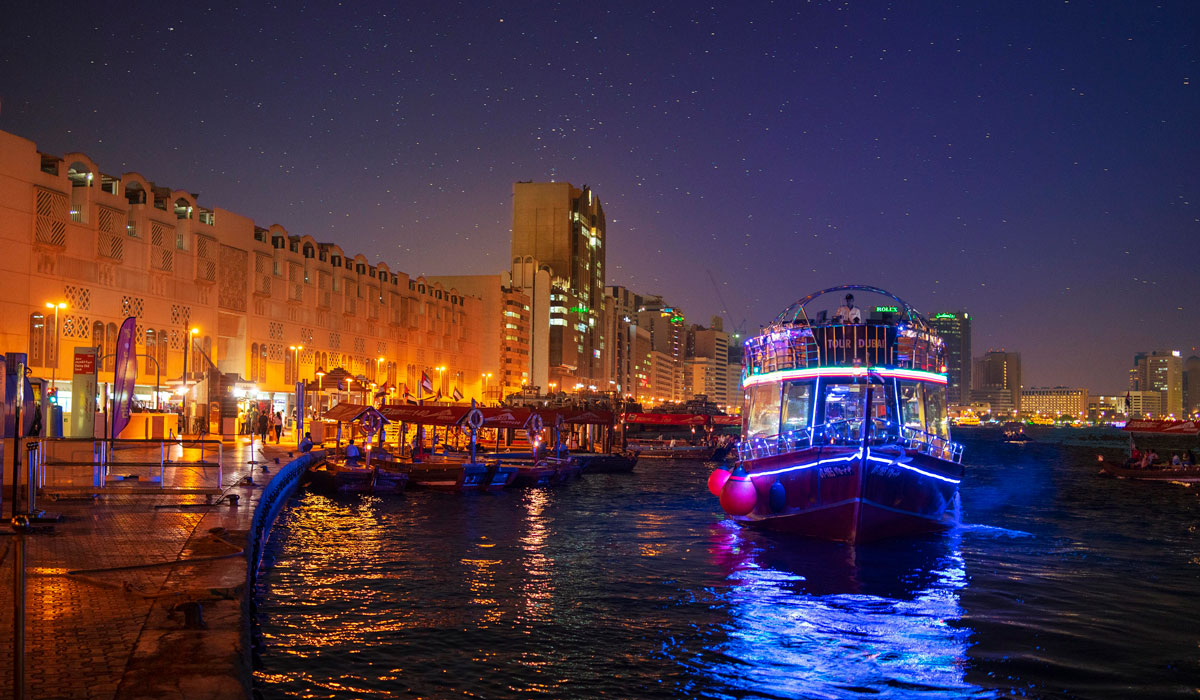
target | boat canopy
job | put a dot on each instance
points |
(504, 417)
(425, 415)
(726, 420)
(576, 416)
(1163, 427)
(350, 412)
(667, 418)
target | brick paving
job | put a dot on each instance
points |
(104, 635)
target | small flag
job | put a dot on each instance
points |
(457, 394)
(426, 382)
(438, 397)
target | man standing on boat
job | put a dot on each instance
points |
(848, 312)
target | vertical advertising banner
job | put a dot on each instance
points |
(125, 375)
(83, 393)
(299, 410)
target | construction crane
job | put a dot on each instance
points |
(737, 331)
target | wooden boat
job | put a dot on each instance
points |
(379, 478)
(846, 435)
(1187, 475)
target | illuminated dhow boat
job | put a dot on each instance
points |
(844, 434)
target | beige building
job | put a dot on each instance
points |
(267, 304)
(1054, 402)
(1161, 371)
(504, 337)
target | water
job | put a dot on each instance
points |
(1057, 584)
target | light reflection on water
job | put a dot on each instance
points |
(824, 620)
(635, 586)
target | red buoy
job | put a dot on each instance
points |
(716, 480)
(738, 497)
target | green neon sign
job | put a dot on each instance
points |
(887, 309)
(937, 316)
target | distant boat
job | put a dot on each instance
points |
(846, 435)
(1015, 432)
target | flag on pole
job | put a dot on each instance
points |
(438, 397)
(457, 394)
(426, 382)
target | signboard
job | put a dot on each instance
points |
(887, 309)
(83, 393)
(855, 343)
(1167, 427)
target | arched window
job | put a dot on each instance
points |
(287, 366)
(196, 359)
(110, 346)
(253, 362)
(151, 353)
(262, 362)
(162, 350)
(37, 338)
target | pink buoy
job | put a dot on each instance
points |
(716, 480)
(738, 497)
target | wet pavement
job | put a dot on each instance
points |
(112, 611)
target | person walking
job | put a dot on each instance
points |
(277, 425)
(263, 424)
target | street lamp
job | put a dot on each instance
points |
(486, 377)
(320, 374)
(296, 360)
(441, 377)
(54, 367)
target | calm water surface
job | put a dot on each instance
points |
(1057, 584)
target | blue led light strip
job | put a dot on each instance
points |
(850, 458)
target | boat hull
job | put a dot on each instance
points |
(603, 463)
(851, 495)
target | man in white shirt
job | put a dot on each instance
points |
(848, 312)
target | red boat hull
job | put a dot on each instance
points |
(851, 495)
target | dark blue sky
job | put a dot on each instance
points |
(1034, 163)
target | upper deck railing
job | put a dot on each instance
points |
(795, 341)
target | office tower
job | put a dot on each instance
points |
(955, 329)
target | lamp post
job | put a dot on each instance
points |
(486, 377)
(187, 350)
(441, 370)
(54, 367)
(320, 374)
(296, 360)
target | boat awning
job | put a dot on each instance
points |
(425, 415)
(726, 420)
(350, 412)
(1163, 427)
(666, 418)
(505, 417)
(577, 416)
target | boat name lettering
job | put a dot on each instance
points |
(850, 343)
(884, 470)
(839, 470)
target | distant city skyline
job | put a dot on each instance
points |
(1033, 164)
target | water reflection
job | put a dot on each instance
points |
(817, 619)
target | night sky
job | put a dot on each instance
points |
(1034, 163)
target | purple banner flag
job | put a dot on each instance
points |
(124, 376)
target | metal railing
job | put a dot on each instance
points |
(848, 433)
(82, 465)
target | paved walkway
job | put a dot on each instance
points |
(123, 633)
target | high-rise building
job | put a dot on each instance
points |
(563, 228)
(996, 380)
(955, 329)
(1191, 385)
(1161, 371)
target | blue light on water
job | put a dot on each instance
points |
(821, 620)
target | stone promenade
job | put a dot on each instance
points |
(101, 624)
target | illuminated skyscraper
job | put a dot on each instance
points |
(955, 329)
(562, 227)
(1161, 371)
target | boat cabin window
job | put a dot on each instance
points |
(912, 405)
(935, 412)
(762, 409)
(845, 410)
(797, 407)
